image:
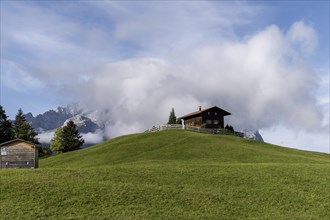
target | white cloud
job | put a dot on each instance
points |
(17, 78)
(297, 138)
(53, 48)
(304, 36)
(92, 138)
(57, 46)
(163, 27)
(250, 78)
(46, 137)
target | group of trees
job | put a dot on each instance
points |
(19, 129)
(66, 138)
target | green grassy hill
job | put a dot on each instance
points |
(184, 147)
(172, 175)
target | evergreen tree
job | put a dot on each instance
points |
(56, 144)
(172, 117)
(229, 127)
(6, 128)
(23, 129)
(71, 138)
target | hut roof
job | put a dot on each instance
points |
(19, 140)
(199, 112)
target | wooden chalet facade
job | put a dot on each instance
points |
(206, 118)
(18, 154)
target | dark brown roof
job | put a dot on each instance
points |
(18, 140)
(197, 113)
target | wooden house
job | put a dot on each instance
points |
(18, 154)
(206, 118)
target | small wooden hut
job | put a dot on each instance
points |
(18, 154)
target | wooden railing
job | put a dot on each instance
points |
(197, 129)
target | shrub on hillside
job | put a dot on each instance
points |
(229, 128)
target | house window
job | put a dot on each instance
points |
(216, 122)
(208, 122)
(215, 113)
(4, 151)
(208, 113)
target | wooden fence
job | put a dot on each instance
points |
(197, 129)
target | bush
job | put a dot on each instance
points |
(229, 128)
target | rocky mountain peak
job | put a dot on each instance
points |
(252, 135)
(52, 119)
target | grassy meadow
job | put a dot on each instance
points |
(171, 175)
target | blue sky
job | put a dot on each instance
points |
(267, 62)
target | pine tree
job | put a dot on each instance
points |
(6, 128)
(23, 129)
(172, 117)
(72, 140)
(229, 127)
(56, 144)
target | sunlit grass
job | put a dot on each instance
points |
(171, 175)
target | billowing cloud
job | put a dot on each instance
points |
(304, 36)
(260, 79)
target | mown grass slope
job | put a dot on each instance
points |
(177, 146)
(171, 175)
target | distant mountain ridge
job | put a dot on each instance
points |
(49, 120)
(53, 119)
